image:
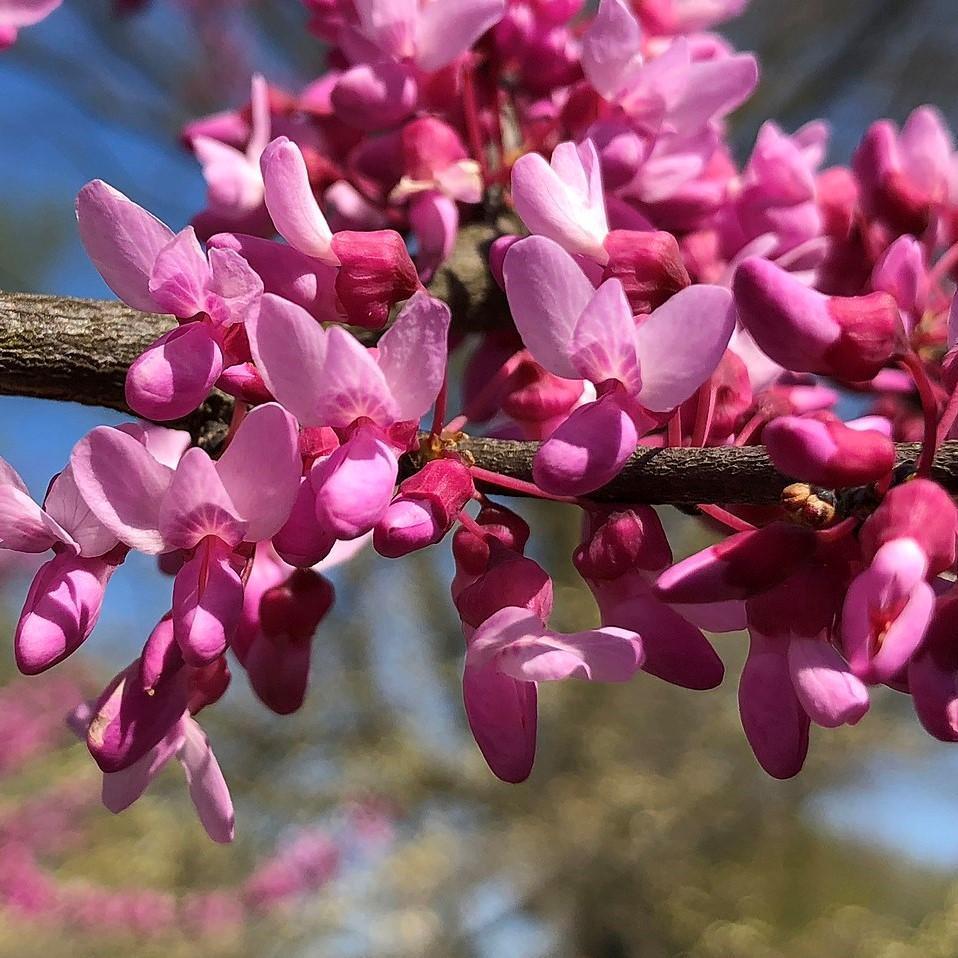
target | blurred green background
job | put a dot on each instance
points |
(368, 824)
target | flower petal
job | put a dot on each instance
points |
(445, 29)
(208, 788)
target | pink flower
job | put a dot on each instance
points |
(828, 452)
(563, 200)
(188, 743)
(207, 510)
(806, 331)
(235, 192)
(904, 176)
(887, 610)
(793, 674)
(15, 14)
(431, 34)
(326, 378)
(684, 16)
(578, 332)
(151, 269)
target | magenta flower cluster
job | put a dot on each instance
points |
(661, 295)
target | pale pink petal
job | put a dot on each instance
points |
(555, 201)
(234, 289)
(587, 450)
(547, 293)
(123, 485)
(69, 510)
(604, 340)
(175, 375)
(198, 505)
(825, 686)
(445, 29)
(354, 486)
(179, 276)
(291, 203)
(775, 723)
(521, 646)
(122, 239)
(24, 526)
(682, 342)
(412, 354)
(10, 477)
(502, 716)
(434, 219)
(165, 445)
(233, 180)
(260, 469)
(207, 603)
(611, 48)
(289, 347)
(25, 13)
(389, 25)
(208, 788)
(352, 384)
(121, 789)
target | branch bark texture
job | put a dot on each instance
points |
(56, 347)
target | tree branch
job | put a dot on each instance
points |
(56, 347)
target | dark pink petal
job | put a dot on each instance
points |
(260, 469)
(502, 716)
(61, 610)
(587, 450)
(173, 376)
(122, 239)
(304, 540)
(207, 603)
(375, 96)
(775, 723)
(354, 486)
(127, 721)
(123, 485)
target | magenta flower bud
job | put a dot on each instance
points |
(535, 395)
(649, 266)
(504, 527)
(161, 656)
(888, 192)
(244, 382)
(510, 580)
(933, 672)
(277, 660)
(828, 453)
(428, 146)
(919, 510)
(497, 255)
(619, 542)
(408, 525)
(375, 96)
(376, 272)
(803, 330)
(901, 271)
(128, 721)
(304, 540)
(740, 566)
(61, 610)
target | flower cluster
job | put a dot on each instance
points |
(659, 295)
